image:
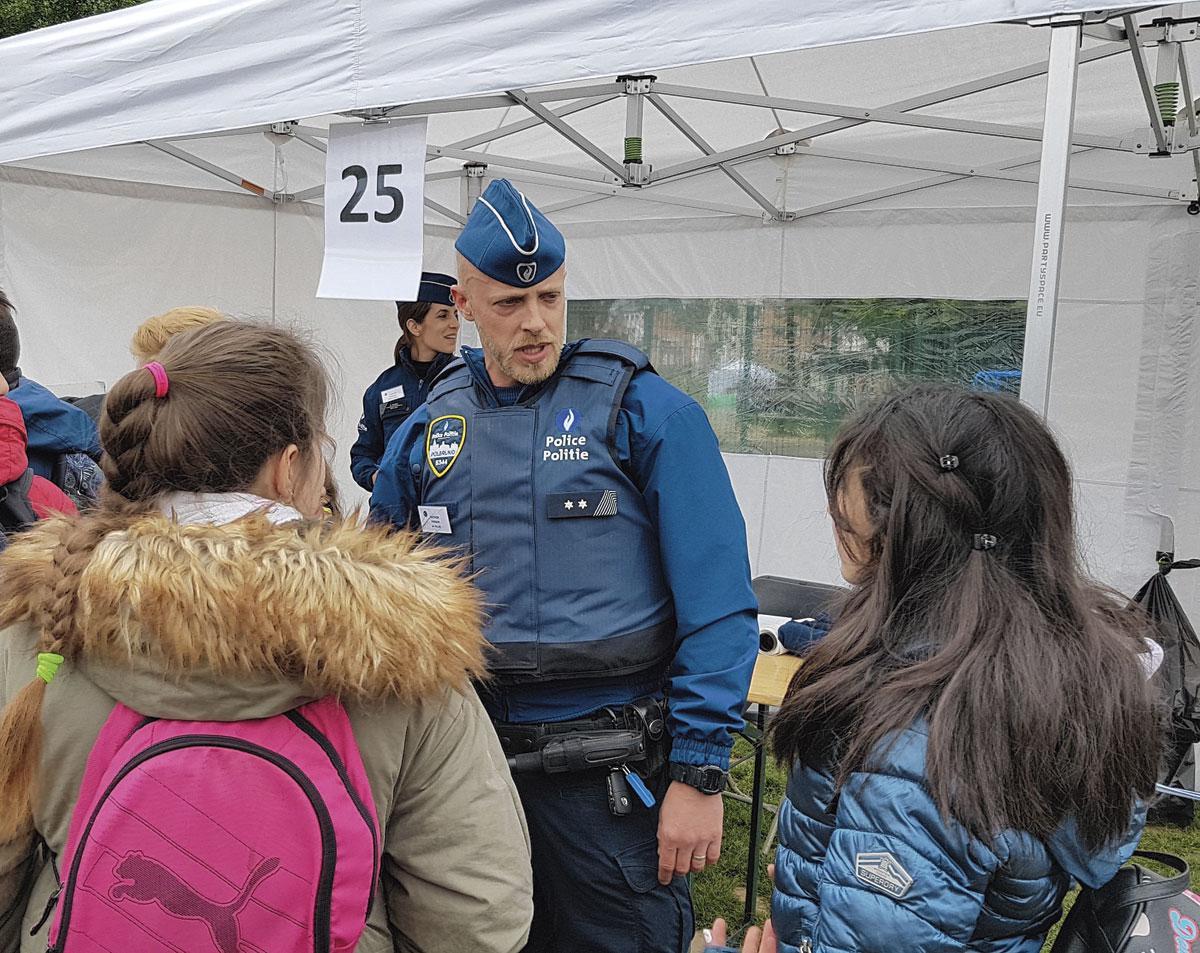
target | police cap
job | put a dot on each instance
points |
(509, 240)
(435, 288)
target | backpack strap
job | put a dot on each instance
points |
(1160, 888)
(1119, 892)
(16, 512)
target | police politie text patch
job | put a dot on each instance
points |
(444, 442)
(582, 504)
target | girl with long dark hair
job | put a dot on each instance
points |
(975, 733)
(428, 336)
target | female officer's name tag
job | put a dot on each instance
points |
(434, 519)
(392, 393)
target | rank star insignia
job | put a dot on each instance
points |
(581, 504)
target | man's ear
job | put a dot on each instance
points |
(461, 303)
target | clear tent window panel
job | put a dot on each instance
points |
(779, 376)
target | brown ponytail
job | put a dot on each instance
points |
(409, 311)
(238, 394)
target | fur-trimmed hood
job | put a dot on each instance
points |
(250, 618)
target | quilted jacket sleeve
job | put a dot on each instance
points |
(894, 869)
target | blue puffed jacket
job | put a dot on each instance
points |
(874, 868)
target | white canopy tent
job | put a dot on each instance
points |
(173, 153)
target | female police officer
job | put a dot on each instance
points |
(428, 333)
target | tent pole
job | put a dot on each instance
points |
(1062, 81)
(637, 88)
(473, 174)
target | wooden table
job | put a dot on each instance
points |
(768, 685)
(772, 675)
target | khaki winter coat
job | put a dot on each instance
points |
(249, 620)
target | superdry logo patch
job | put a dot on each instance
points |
(561, 506)
(884, 872)
(444, 442)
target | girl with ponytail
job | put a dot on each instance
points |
(976, 732)
(206, 587)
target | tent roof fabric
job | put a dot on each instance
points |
(174, 68)
(162, 76)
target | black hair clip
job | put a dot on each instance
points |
(948, 462)
(984, 541)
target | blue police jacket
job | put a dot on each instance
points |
(875, 868)
(600, 518)
(387, 403)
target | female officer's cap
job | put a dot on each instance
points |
(435, 288)
(509, 240)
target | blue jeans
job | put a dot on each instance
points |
(595, 876)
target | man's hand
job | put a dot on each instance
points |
(689, 831)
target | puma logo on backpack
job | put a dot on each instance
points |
(144, 880)
(220, 837)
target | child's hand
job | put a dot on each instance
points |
(756, 941)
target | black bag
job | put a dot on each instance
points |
(1137, 911)
(16, 512)
(1179, 682)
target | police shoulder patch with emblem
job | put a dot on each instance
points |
(881, 870)
(444, 440)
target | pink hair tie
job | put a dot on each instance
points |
(161, 383)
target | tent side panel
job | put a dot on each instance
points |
(84, 269)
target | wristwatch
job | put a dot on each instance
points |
(708, 779)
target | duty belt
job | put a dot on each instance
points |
(612, 739)
(646, 716)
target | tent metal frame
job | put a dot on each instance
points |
(604, 175)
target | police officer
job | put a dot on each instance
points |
(592, 499)
(428, 335)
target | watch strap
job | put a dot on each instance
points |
(707, 779)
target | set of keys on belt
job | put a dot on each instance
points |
(620, 779)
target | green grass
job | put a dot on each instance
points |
(720, 890)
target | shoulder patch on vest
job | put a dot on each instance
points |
(444, 442)
(881, 870)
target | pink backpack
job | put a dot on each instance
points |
(220, 837)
